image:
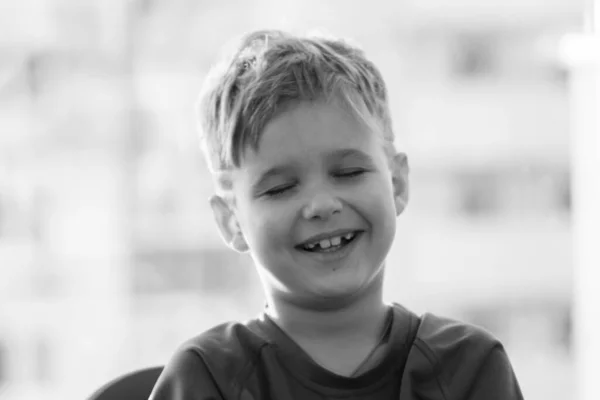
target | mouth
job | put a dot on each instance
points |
(329, 244)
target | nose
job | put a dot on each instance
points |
(322, 206)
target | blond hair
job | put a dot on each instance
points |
(269, 71)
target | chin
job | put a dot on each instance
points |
(337, 295)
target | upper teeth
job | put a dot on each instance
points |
(333, 241)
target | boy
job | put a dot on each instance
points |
(298, 134)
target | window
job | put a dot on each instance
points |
(3, 362)
(513, 192)
(43, 362)
(478, 194)
(202, 270)
(473, 56)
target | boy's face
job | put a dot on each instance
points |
(316, 205)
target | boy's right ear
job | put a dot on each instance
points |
(228, 225)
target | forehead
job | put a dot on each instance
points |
(311, 129)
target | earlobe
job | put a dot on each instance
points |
(400, 181)
(228, 225)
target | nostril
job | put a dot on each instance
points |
(322, 208)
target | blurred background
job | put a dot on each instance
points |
(109, 257)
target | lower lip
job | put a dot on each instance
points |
(336, 255)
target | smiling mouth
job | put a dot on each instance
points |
(330, 244)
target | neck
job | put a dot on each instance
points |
(362, 317)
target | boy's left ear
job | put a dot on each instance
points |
(400, 181)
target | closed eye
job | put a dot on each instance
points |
(278, 190)
(350, 172)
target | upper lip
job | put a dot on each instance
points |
(327, 235)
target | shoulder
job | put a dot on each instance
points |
(460, 358)
(228, 348)
(228, 340)
(443, 337)
(448, 345)
(220, 357)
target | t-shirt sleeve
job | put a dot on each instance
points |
(496, 379)
(185, 377)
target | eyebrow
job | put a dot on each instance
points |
(350, 153)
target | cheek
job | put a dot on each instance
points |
(379, 203)
(269, 228)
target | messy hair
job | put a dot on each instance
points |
(269, 71)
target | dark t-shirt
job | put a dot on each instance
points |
(424, 358)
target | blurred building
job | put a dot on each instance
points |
(108, 253)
